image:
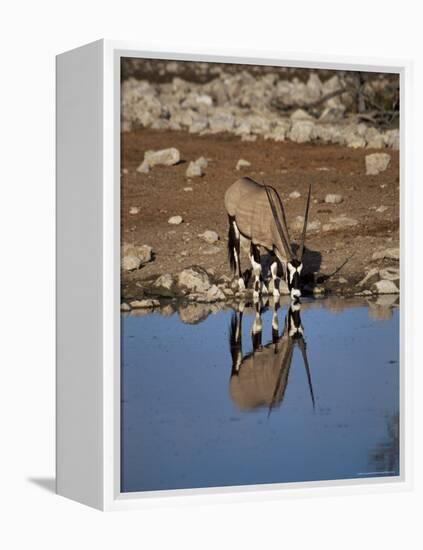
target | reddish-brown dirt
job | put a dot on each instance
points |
(288, 167)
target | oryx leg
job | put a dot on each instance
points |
(259, 286)
(237, 256)
(236, 341)
(275, 321)
(275, 278)
(257, 328)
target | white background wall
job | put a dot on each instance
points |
(32, 32)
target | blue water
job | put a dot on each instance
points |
(181, 428)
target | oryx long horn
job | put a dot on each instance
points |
(285, 243)
(303, 236)
(302, 347)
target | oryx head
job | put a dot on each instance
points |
(294, 264)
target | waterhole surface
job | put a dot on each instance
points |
(202, 408)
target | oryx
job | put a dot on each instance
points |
(260, 378)
(256, 212)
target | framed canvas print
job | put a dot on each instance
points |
(231, 297)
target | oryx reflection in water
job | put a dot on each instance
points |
(260, 378)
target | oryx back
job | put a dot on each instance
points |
(246, 201)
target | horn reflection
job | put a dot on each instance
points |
(260, 378)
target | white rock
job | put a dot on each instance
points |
(164, 281)
(213, 294)
(175, 220)
(165, 157)
(376, 163)
(375, 140)
(381, 209)
(300, 114)
(144, 167)
(333, 198)
(134, 210)
(294, 195)
(199, 125)
(194, 279)
(193, 170)
(314, 84)
(392, 139)
(188, 189)
(302, 131)
(353, 139)
(385, 287)
(221, 122)
(390, 273)
(209, 236)
(196, 167)
(202, 162)
(130, 262)
(372, 274)
(143, 253)
(242, 164)
(204, 100)
(125, 307)
(145, 303)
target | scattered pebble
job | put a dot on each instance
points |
(242, 164)
(385, 287)
(194, 170)
(333, 198)
(175, 220)
(164, 157)
(294, 195)
(134, 210)
(376, 163)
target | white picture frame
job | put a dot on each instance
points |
(88, 279)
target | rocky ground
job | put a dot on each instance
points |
(193, 312)
(174, 226)
(345, 108)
